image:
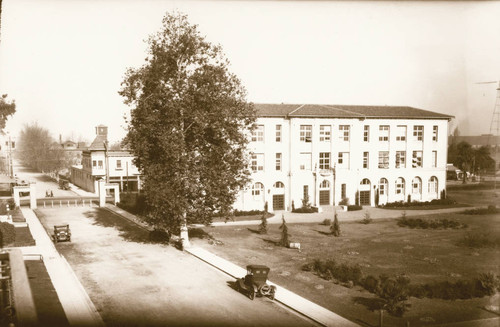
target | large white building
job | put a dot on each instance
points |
(336, 152)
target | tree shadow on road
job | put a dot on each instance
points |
(129, 231)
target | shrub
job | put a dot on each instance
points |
(477, 240)
(491, 209)
(429, 223)
(263, 222)
(395, 293)
(346, 273)
(327, 222)
(371, 284)
(308, 267)
(489, 282)
(305, 210)
(354, 208)
(335, 226)
(133, 202)
(7, 234)
(367, 219)
(401, 204)
(284, 233)
(238, 213)
(418, 291)
(305, 201)
(159, 236)
(344, 202)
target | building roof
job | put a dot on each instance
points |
(98, 143)
(344, 111)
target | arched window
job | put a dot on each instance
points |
(416, 186)
(279, 185)
(400, 185)
(365, 181)
(257, 189)
(324, 184)
(383, 186)
(433, 185)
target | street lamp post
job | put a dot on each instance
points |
(334, 187)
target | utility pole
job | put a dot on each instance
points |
(494, 131)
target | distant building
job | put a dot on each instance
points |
(330, 153)
(7, 151)
(99, 162)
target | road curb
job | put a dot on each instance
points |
(299, 304)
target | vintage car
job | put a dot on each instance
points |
(62, 233)
(255, 282)
(64, 184)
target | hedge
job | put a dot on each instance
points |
(7, 234)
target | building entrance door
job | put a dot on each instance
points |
(324, 197)
(364, 198)
(278, 202)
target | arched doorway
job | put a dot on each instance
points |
(258, 195)
(278, 196)
(324, 193)
(433, 187)
(416, 189)
(365, 192)
(399, 190)
(383, 190)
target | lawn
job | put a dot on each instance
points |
(381, 247)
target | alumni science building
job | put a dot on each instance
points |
(334, 153)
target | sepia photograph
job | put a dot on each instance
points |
(249, 163)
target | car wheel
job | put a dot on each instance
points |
(251, 295)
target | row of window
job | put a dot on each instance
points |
(325, 133)
(325, 160)
(98, 164)
(383, 186)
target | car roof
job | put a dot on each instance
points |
(257, 267)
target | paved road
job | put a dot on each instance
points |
(43, 183)
(137, 284)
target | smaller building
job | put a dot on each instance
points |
(99, 162)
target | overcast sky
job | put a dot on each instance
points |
(63, 61)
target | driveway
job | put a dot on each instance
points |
(139, 284)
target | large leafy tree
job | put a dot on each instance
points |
(7, 109)
(187, 126)
(39, 150)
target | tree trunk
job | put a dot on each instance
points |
(184, 232)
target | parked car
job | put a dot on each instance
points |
(255, 282)
(62, 233)
(64, 184)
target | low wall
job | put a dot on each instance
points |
(24, 305)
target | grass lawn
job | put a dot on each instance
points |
(380, 247)
(48, 307)
(23, 237)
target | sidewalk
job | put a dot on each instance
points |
(284, 296)
(375, 213)
(289, 299)
(78, 307)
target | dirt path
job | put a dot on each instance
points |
(139, 284)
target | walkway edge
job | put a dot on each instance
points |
(303, 306)
(76, 303)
